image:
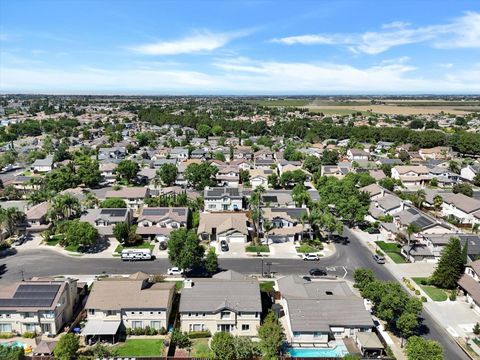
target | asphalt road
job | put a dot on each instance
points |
(346, 259)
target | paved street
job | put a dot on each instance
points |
(350, 256)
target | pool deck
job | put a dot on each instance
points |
(351, 346)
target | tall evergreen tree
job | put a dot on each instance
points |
(450, 266)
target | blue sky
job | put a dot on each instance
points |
(240, 47)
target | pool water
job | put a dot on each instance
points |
(338, 351)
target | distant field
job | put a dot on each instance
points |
(334, 111)
(388, 109)
(280, 102)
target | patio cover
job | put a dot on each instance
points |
(98, 327)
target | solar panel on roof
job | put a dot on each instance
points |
(113, 212)
(30, 295)
(154, 212)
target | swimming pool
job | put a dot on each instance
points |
(338, 351)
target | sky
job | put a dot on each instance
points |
(240, 47)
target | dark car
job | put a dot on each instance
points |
(224, 245)
(20, 240)
(373, 230)
(317, 272)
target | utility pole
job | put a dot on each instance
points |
(23, 278)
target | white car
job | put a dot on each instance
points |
(311, 257)
(175, 271)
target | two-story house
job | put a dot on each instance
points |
(179, 153)
(228, 176)
(158, 222)
(288, 224)
(469, 283)
(107, 169)
(230, 227)
(133, 302)
(222, 199)
(133, 196)
(104, 220)
(232, 306)
(411, 175)
(320, 311)
(42, 165)
(461, 207)
(37, 306)
(357, 155)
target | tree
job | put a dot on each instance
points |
(80, 233)
(113, 203)
(476, 180)
(273, 180)
(244, 176)
(67, 347)
(271, 337)
(422, 349)
(419, 198)
(476, 329)
(450, 266)
(454, 167)
(181, 340)
(412, 228)
(184, 249)
(362, 277)
(300, 195)
(64, 206)
(463, 188)
(10, 218)
(388, 183)
(217, 130)
(329, 157)
(199, 176)
(406, 324)
(223, 346)
(437, 202)
(167, 174)
(203, 130)
(127, 169)
(245, 348)
(121, 231)
(88, 171)
(433, 182)
(292, 154)
(211, 261)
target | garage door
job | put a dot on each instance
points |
(237, 239)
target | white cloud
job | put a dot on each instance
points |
(204, 41)
(462, 32)
(242, 76)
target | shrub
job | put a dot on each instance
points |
(425, 281)
(453, 295)
(162, 331)
(7, 335)
(4, 245)
(199, 334)
(423, 298)
(139, 331)
(150, 331)
(417, 292)
(29, 334)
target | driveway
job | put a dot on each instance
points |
(284, 250)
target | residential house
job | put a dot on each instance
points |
(357, 154)
(241, 164)
(228, 176)
(117, 153)
(104, 220)
(36, 217)
(107, 170)
(469, 284)
(317, 312)
(133, 196)
(201, 154)
(470, 171)
(334, 170)
(436, 153)
(288, 224)
(245, 153)
(42, 165)
(444, 176)
(374, 191)
(231, 227)
(133, 302)
(223, 199)
(227, 305)
(158, 222)
(437, 242)
(259, 177)
(411, 175)
(179, 153)
(464, 209)
(37, 306)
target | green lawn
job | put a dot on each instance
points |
(392, 250)
(305, 248)
(140, 347)
(267, 286)
(144, 245)
(54, 240)
(433, 292)
(257, 248)
(200, 348)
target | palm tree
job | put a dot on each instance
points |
(64, 206)
(412, 229)
(419, 198)
(10, 218)
(157, 180)
(256, 201)
(90, 200)
(437, 202)
(267, 227)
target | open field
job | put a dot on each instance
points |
(388, 109)
(280, 102)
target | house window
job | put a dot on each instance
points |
(137, 324)
(30, 327)
(317, 334)
(156, 324)
(256, 315)
(245, 327)
(91, 311)
(225, 315)
(132, 312)
(296, 334)
(197, 327)
(5, 328)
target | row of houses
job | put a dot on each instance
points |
(313, 313)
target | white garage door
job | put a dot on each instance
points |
(237, 239)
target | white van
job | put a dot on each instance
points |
(136, 254)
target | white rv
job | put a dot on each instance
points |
(136, 254)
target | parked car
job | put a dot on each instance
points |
(175, 271)
(20, 240)
(373, 230)
(224, 245)
(311, 257)
(379, 259)
(317, 272)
